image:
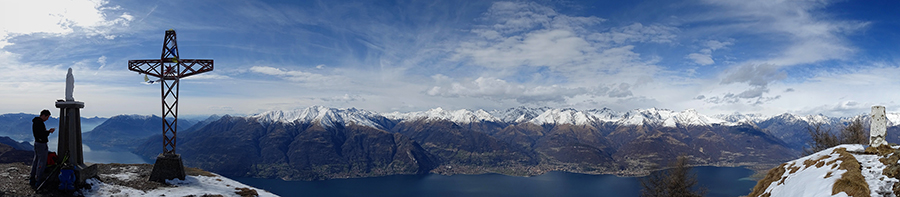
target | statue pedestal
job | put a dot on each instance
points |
(167, 166)
(69, 144)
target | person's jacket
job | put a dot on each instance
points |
(39, 130)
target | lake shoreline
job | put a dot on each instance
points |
(757, 168)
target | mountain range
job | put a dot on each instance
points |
(123, 131)
(323, 143)
(788, 127)
(18, 125)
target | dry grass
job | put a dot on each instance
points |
(852, 181)
(882, 150)
(793, 168)
(246, 192)
(817, 162)
(197, 172)
(773, 175)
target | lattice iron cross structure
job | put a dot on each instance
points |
(170, 68)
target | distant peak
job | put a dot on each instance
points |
(133, 116)
(564, 116)
(460, 116)
(326, 117)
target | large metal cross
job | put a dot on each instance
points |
(170, 68)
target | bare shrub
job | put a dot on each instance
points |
(678, 181)
(854, 133)
(822, 138)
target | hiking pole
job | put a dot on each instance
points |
(58, 166)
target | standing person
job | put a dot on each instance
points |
(40, 147)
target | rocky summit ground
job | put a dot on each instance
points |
(127, 180)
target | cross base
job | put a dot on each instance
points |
(168, 166)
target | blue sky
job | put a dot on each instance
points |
(836, 58)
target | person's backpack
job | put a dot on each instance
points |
(67, 179)
(51, 158)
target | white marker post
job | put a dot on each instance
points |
(878, 127)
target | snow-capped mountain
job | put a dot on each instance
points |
(518, 114)
(811, 119)
(739, 117)
(564, 116)
(605, 114)
(691, 117)
(326, 117)
(510, 139)
(459, 116)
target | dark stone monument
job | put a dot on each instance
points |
(170, 69)
(69, 145)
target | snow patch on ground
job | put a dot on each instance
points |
(127, 173)
(192, 185)
(872, 168)
(811, 181)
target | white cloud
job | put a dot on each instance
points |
(704, 57)
(346, 98)
(620, 91)
(526, 36)
(754, 74)
(208, 76)
(59, 17)
(637, 32)
(498, 89)
(846, 91)
(551, 48)
(516, 53)
(715, 44)
(782, 34)
(27, 83)
(701, 58)
(807, 34)
(839, 109)
(102, 62)
(757, 76)
(297, 76)
(502, 90)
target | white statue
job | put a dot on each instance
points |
(70, 86)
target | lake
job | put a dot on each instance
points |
(720, 181)
(90, 155)
(101, 156)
